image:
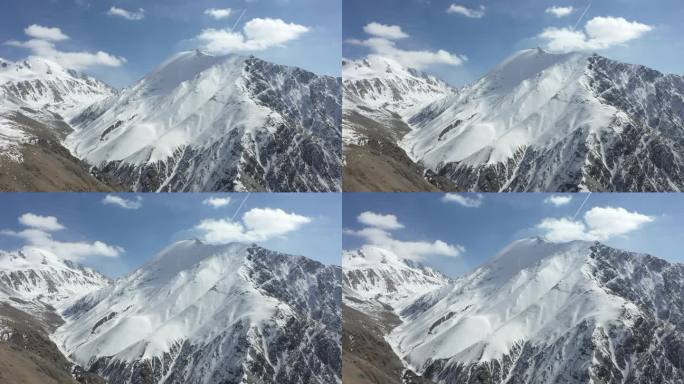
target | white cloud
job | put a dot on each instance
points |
(45, 47)
(599, 33)
(257, 35)
(469, 202)
(218, 13)
(123, 203)
(412, 59)
(380, 221)
(558, 200)
(467, 12)
(45, 223)
(599, 224)
(414, 250)
(217, 202)
(560, 11)
(258, 224)
(392, 32)
(128, 15)
(45, 33)
(38, 235)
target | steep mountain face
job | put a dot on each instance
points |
(377, 284)
(217, 123)
(200, 313)
(35, 286)
(557, 122)
(379, 97)
(37, 97)
(541, 312)
(375, 274)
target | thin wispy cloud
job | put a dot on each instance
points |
(382, 42)
(560, 11)
(218, 13)
(392, 32)
(42, 44)
(217, 202)
(122, 202)
(128, 15)
(378, 220)
(473, 201)
(378, 233)
(39, 233)
(558, 200)
(473, 13)
(45, 33)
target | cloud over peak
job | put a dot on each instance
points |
(257, 224)
(598, 224)
(258, 34)
(599, 33)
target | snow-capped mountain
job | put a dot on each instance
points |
(35, 287)
(386, 92)
(37, 97)
(200, 313)
(542, 312)
(34, 275)
(380, 95)
(42, 84)
(375, 274)
(556, 122)
(217, 123)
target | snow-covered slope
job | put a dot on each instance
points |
(374, 274)
(201, 313)
(37, 275)
(221, 123)
(542, 312)
(384, 91)
(36, 97)
(557, 122)
(42, 84)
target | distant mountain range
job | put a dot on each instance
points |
(538, 312)
(195, 313)
(537, 122)
(196, 123)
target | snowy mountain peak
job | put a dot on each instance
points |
(376, 274)
(41, 83)
(200, 122)
(34, 274)
(539, 303)
(196, 304)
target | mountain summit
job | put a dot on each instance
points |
(542, 312)
(542, 121)
(217, 123)
(199, 313)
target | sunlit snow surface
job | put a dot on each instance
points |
(533, 98)
(532, 292)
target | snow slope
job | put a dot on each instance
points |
(200, 313)
(384, 91)
(542, 312)
(37, 275)
(44, 92)
(554, 122)
(373, 274)
(201, 122)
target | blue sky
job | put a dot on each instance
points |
(309, 225)
(505, 27)
(169, 26)
(651, 222)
